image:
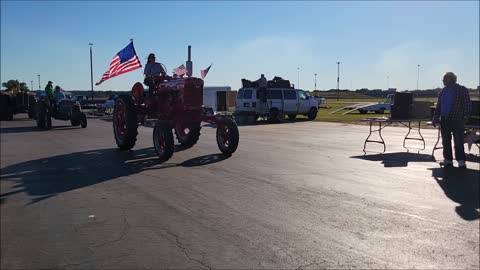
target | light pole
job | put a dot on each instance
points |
(298, 77)
(338, 81)
(315, 81)
(388, 82)
(418, 75)
(31, 83)
(91, 69)
(39, 86)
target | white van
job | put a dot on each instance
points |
(275, 102)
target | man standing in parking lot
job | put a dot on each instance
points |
(453, 107)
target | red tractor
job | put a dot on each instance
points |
(172, 103)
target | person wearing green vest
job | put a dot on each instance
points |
(49, 90)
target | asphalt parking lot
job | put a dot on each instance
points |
(294, 195)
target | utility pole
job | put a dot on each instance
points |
(39, 86)
(298, 77)
(315, 81)
(338, 81)
(418, 75)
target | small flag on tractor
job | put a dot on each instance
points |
(180, 71)
(204, 72)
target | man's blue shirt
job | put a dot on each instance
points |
(447, 101)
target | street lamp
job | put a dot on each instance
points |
(388, 82)
(338, 81)
(315, 81)
(39, 86)
(91, 69)
(298, 77)
(31, 83)
(418, 74)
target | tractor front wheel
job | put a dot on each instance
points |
(163, 141)
(227, 136)
(187, 134)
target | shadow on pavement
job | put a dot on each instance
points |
(34, 129)
(460, 186)
(265, 122)
(399, 159)
(47, 177)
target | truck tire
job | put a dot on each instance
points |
(274, 115)
(381, 111)
(362, 111)
(163, 141)
(125, 123)
(190, 137)
(312, 114)
(227, 136)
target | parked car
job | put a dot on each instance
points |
(378, 108)
(320, 99)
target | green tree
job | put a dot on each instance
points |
(15, 85)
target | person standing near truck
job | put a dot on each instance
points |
(49, 96)
(49, 90)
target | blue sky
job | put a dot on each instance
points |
(373, 40)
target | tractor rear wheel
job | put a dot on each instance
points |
(125, 123)
(187, 134)
(48, 119)
(83, 120)
(227, 136)
(163, 140)
(41, 114)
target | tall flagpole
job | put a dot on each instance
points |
(91, 69)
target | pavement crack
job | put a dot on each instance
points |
(315, 262)
(184, 249)
(124, 232)
(177, 242)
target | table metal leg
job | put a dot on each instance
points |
(370, 134)
(410, 138)
(436, 143)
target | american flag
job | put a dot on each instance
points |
(204, 72)
(181, 70)
(124, 61)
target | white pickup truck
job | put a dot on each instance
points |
(379, 108)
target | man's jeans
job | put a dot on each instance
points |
(455, 127)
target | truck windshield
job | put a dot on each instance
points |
(240, 94)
